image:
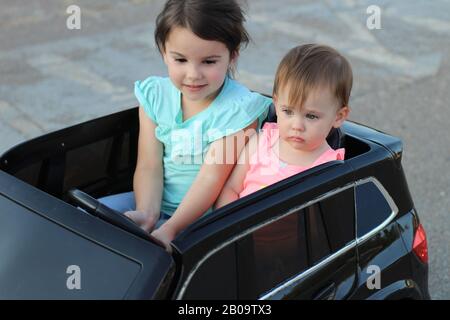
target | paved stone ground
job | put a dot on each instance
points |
(52, 77)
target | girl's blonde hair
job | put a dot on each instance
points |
(310, 66)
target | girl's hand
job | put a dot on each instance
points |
(165, 235)
(145, 220)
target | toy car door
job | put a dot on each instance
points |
(309, 253)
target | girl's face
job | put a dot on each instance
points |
(197, 67)
(306, 128)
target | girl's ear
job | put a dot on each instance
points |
(341, 116)
(234, 57)
(233, 64)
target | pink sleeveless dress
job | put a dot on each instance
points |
(266, 168)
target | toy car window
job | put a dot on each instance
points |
(271, 255)
(288, 246)
(216, 278)
(330, 225)
(372, 208)
(318, 245)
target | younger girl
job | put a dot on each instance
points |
(311, 93)
(186, 118)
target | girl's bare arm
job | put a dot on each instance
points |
(148, 176)
(207, 185)
(235, 183)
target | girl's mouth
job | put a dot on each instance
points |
(296, 139)
(194, 88)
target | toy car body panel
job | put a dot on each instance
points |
(316, 235)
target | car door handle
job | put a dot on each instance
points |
(327, 293)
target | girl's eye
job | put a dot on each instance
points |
(210, 61)
(181, 60)
(288, 112)
(311, 116)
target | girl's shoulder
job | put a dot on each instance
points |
(259, 144)
(153, 85)
(330, 155)
(253, 143)
(269, 133)
(153, 93)
(235, 108)
(264, 139)
(236, 94)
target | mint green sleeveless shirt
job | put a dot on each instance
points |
(186, 142)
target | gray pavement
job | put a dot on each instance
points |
(52, 77)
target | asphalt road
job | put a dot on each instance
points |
(52, 77)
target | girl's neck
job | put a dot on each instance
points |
(191, 108)
(195, 105)
(303, 158)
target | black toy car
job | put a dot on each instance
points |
(343, 230)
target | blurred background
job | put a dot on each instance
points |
(52, 76)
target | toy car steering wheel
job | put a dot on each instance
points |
(98, 209)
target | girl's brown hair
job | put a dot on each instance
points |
(217, 20)
(307, 67)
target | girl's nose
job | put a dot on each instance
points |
(193, 72)
(298, 124)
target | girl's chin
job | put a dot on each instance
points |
(199, 96)
(299, 146)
